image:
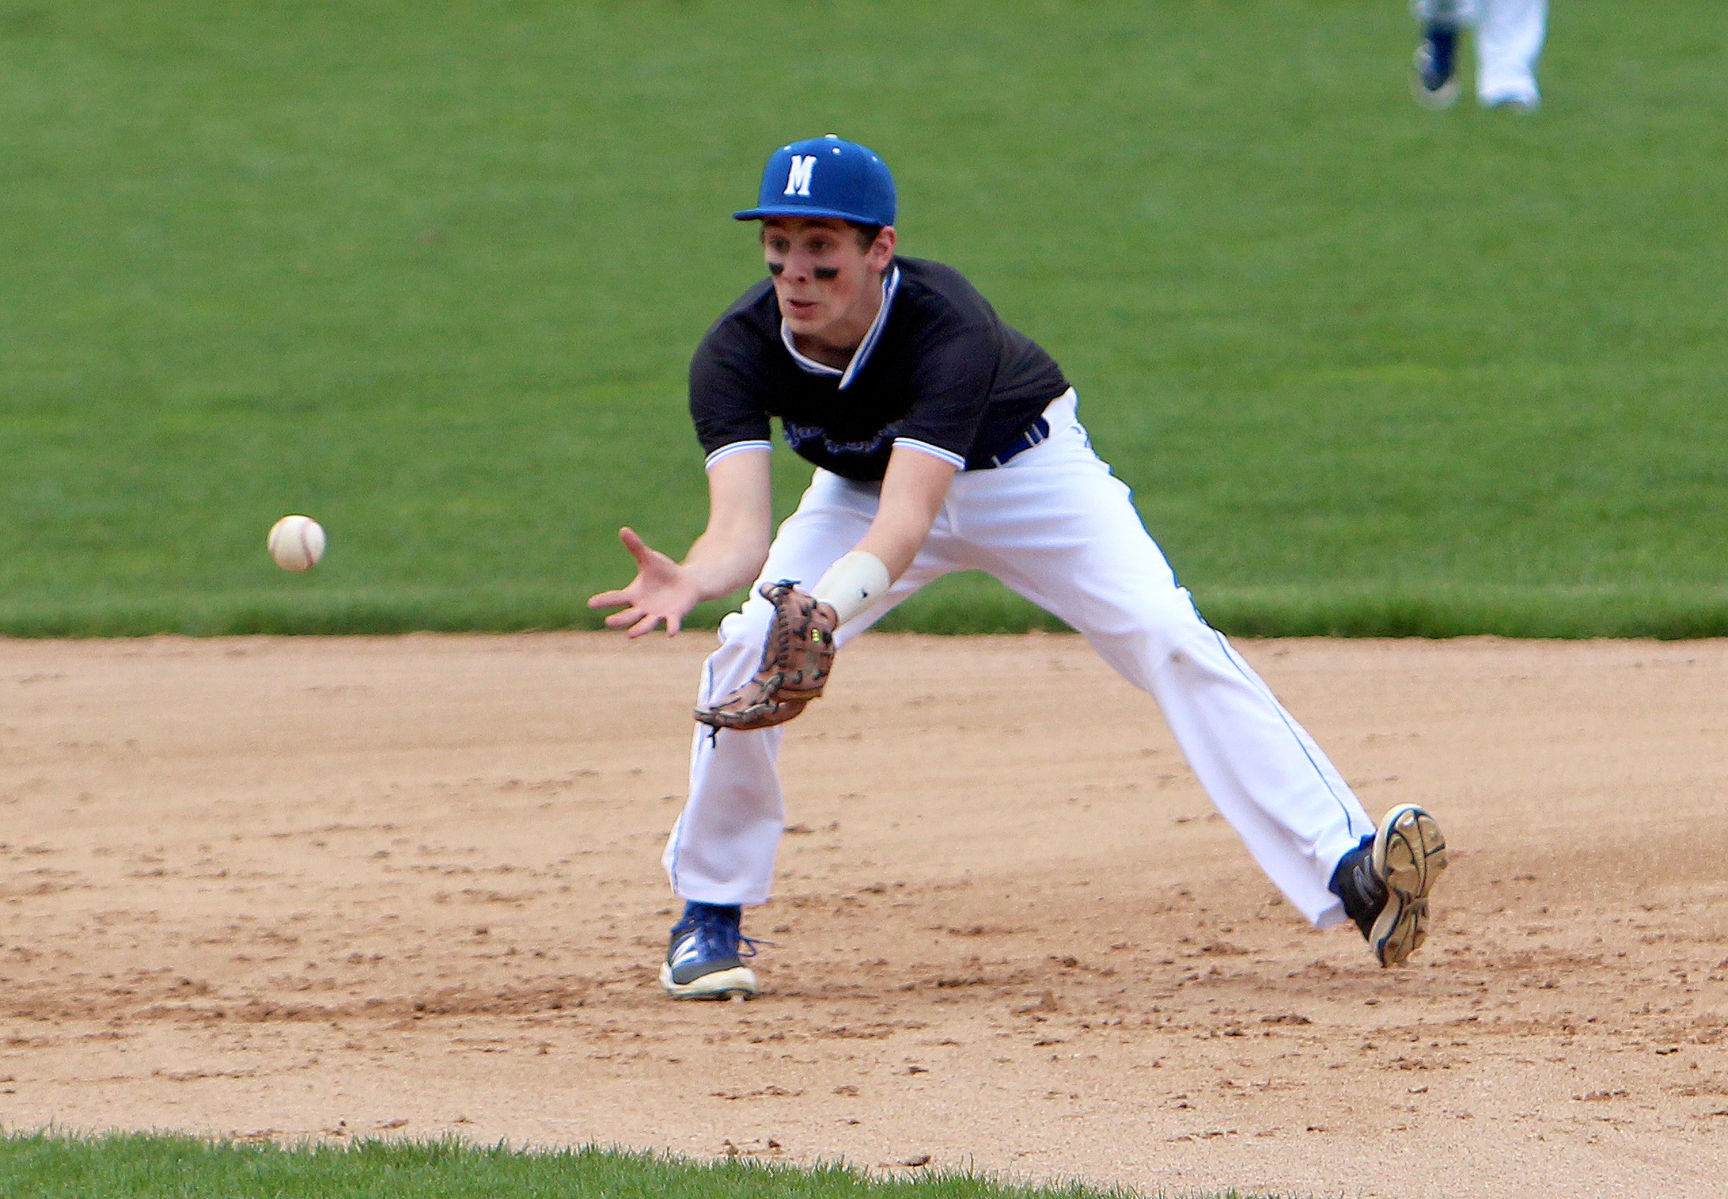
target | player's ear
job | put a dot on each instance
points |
(881, 251)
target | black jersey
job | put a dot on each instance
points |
(939, 370)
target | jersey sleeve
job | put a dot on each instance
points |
(723, 405)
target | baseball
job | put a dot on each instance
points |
(296, 542)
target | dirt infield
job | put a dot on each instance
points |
(320, 888)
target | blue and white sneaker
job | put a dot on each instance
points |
(1434, 78)
(1385, 881)
(704, 959)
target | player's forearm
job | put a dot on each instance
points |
(895, 542)
(720, 565)
(734, 546)
(860, 579)
(912, 494)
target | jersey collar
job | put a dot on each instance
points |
(890, 285)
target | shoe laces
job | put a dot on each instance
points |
(716, 930)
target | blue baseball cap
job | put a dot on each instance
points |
(825, 177)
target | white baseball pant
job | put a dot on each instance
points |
(1056, 527)
(1509, 37)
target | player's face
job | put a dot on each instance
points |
(829, 287)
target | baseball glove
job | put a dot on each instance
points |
(795, 663)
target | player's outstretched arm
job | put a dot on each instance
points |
(726, 557)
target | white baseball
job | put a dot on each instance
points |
(296, 542)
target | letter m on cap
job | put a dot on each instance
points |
(798, 178)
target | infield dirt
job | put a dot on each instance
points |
(308, 888)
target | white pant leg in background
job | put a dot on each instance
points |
(1460, 14)
(1509, 39)
(1056, 527)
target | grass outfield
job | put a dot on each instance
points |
(147, 1167)
(432, 273)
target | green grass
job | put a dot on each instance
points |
(432, 273)
(138, 1166)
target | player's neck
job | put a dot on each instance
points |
(837, 356)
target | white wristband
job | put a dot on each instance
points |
(853, 584)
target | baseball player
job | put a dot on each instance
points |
(943, 439)
(1509, 37)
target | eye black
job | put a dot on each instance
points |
(826, 272)
(774, 268)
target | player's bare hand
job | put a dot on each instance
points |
(661, 592)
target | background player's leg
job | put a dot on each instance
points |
(1435, 68)
(1059, 529)
(1509, 39)
(1457, 13)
